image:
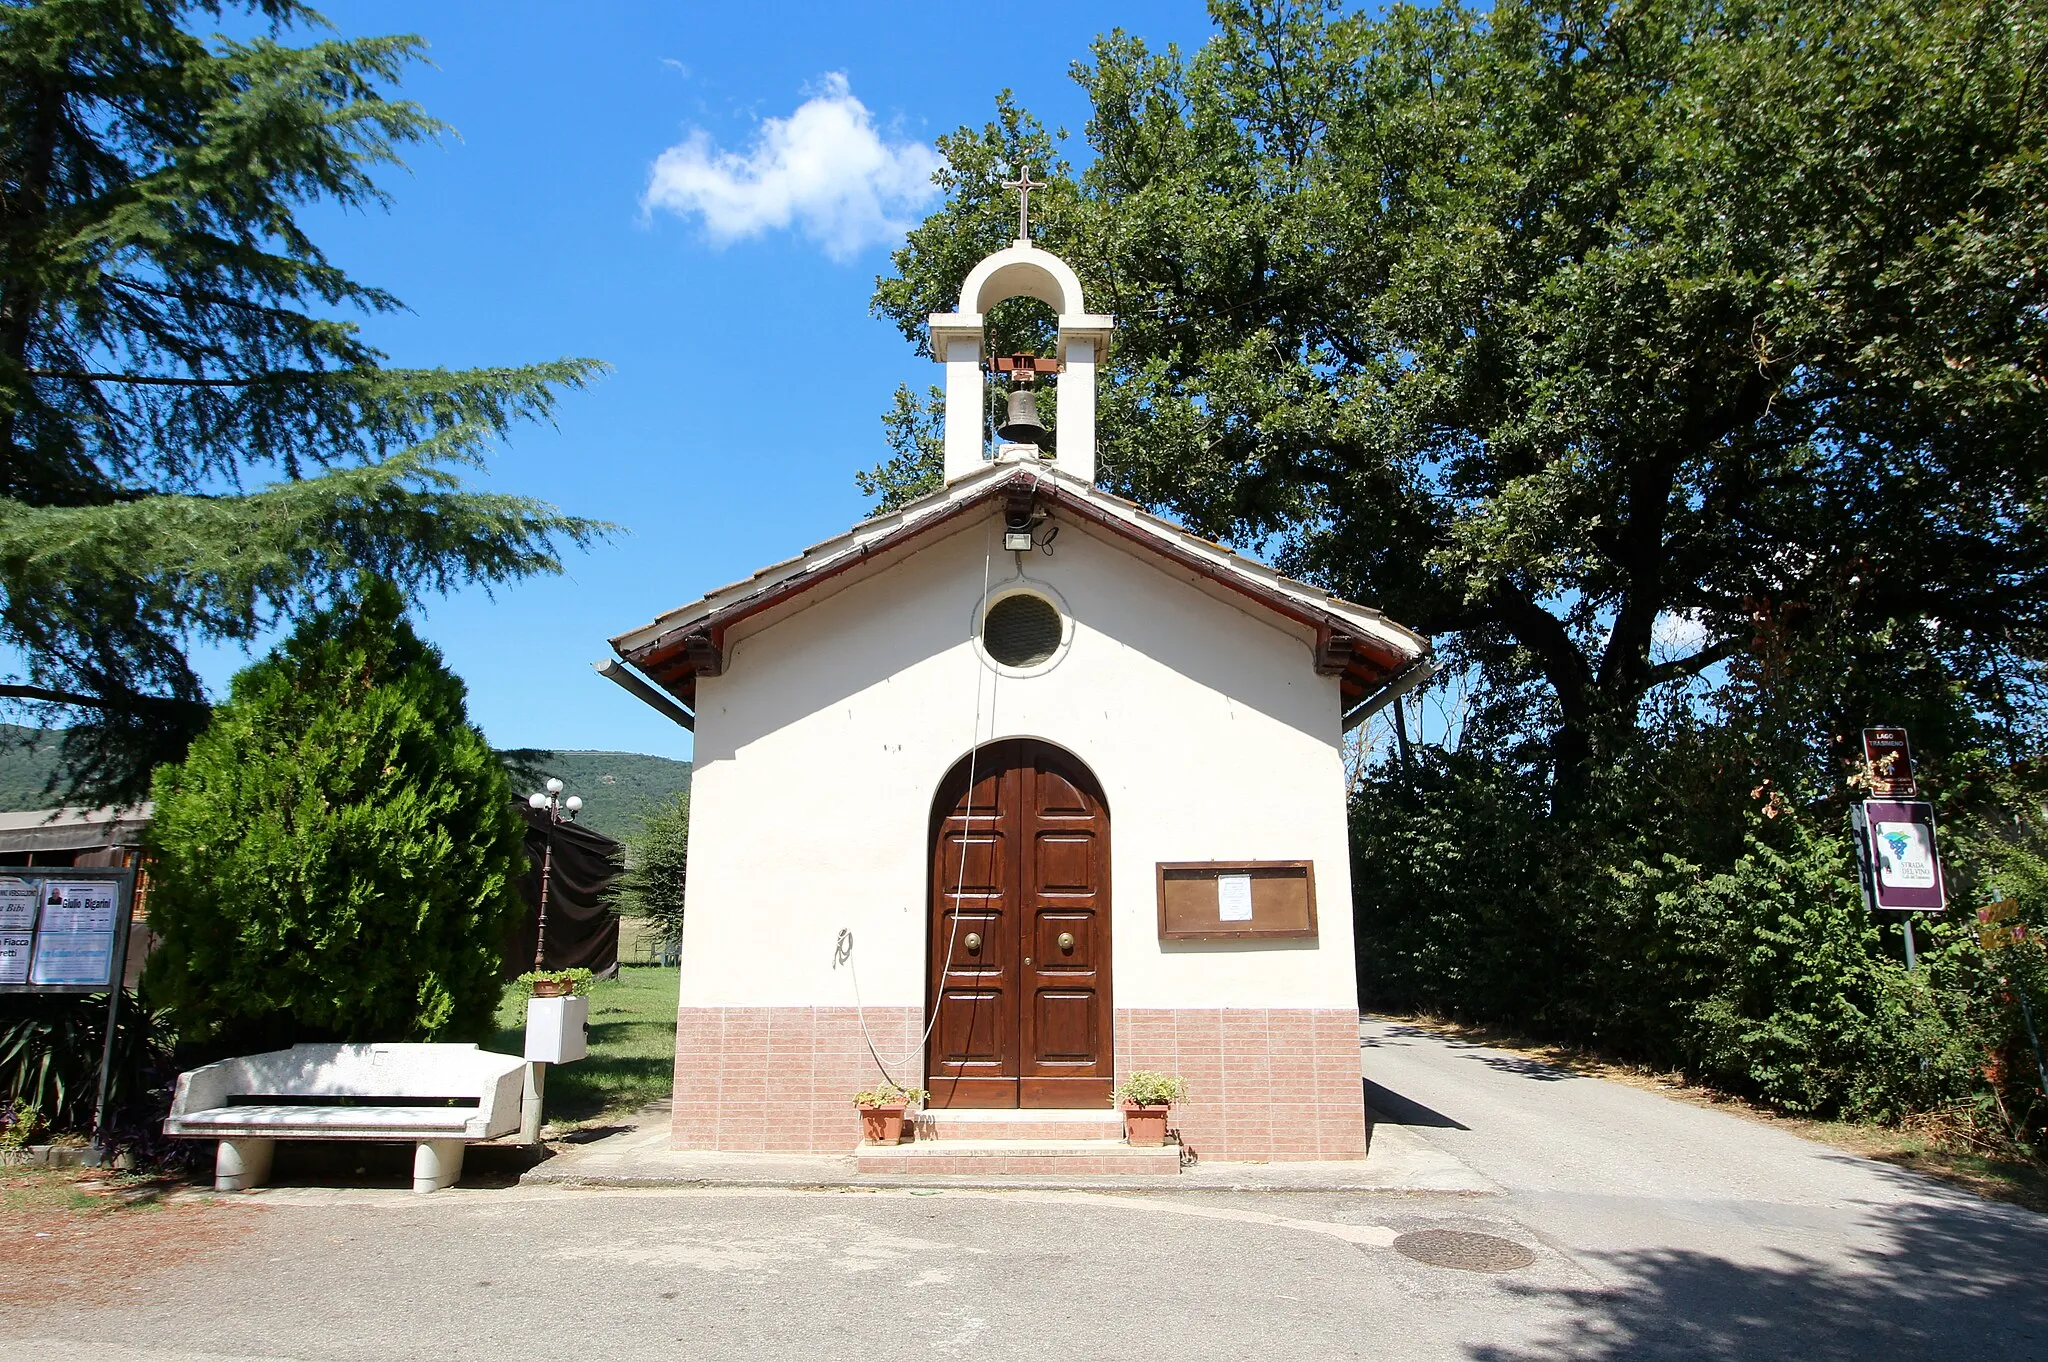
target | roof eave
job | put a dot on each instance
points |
(1354, 643)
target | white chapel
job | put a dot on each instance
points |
(1015, 790)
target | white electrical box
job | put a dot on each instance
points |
(556, 1029)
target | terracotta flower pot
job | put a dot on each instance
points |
(1145, 1125)
(881, 1125)
(553, 988)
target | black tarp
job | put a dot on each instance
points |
(582, 932)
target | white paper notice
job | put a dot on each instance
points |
(75, 938)
(17, 906)
(1905, 856)
(1234, 898)
(86, 960)
(14, 957)
(79, 906)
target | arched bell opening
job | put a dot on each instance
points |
(988, 324)
(1022, 342)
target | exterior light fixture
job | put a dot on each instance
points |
(559, 810)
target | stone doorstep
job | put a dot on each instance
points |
(1009, 1123)
(937, 1157)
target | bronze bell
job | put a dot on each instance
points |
(1022, 426)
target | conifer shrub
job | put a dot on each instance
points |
(335, 859)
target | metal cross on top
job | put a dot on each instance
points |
(1023, 184)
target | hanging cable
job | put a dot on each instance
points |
(842, 948)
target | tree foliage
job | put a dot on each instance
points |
(1566, 331)
(1679, 366)
(657, 873)
(337, 855)
(914, 430)
(169, 331)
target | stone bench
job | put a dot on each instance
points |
(439, 1097)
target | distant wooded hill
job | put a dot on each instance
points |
(28, 761)
(619, 789)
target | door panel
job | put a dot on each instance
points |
(1023, 1019)
(1065, 1027)
(1065, 863)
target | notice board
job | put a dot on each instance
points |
(64, 930)
(1236, 900)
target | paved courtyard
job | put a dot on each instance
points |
(1645, 1228)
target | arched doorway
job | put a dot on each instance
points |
(1019, 969)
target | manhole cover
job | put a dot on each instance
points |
(1464, 1250)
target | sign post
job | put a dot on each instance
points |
(1891, 763)
(64, 930)
(1896, 855)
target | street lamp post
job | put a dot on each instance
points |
(558, 810)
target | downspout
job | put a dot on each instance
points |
(1414, 675)
(611, 669)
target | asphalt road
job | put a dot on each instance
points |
(1651, 1229)
(1704, 1234)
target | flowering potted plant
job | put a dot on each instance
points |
(882, 1108)
(1146, 1099)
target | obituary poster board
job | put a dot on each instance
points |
(1900, 862)
(1236, 900)
(64, 930)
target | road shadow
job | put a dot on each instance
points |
(1393, 1109)
(1524, 1067)
(1558, 1063)
(1950, 1277)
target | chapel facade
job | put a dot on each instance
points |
(1013, 791)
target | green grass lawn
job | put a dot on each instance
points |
(632, 1056)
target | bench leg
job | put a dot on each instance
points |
(436, 1164)
(242, 1164)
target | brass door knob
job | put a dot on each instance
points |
(1066, 941)
(974, 943)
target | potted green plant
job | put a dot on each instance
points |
(882, 1108)
(557, 983)
(1147, 1097)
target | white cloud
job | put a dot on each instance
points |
(823, 170)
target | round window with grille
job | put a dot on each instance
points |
(1021, 630)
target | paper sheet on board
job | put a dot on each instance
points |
(14, 947)
(1234, 898)
(17, 906)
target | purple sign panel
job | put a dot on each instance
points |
(1905, 867)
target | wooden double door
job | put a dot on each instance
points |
(1019, 969)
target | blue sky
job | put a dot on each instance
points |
(791, 142)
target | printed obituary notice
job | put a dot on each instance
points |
(79, 907)
(75, 936)
(18, 903)
(17, 929)
(1234, 898)
(14, 957)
